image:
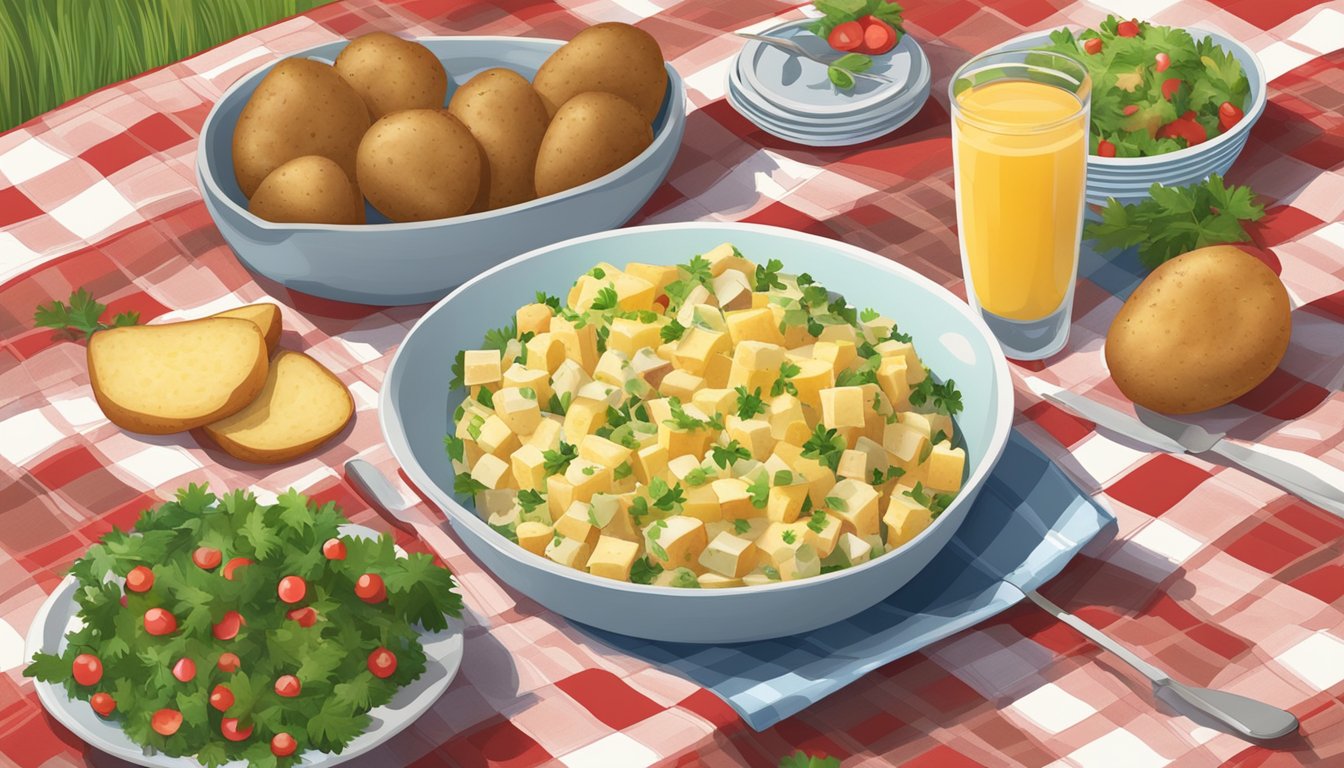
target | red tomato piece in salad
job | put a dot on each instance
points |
(333, 549)
(228, 662)
(288, 686)
(207, 558)
(1229, 115)
(229, 727)
(231, 567)
(305, 616)
(370, 588)
(87, 669)
(103, 703)
(159, 622)
(228, 625)
(1092, 45)
(292, 589)
(140, 579)
(846, 37)
(184, 670)
(879, 37)
(283, 745)
(221, 698)
(382, 662)
(165, 722)
(1127, 29)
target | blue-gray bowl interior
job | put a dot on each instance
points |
(463, 57)
(416, 407)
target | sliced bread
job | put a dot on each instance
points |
(265, 316)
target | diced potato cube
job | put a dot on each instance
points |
(680, 442)
(893, 377)
(877, 329)
(795, 334)
(496, 437)
(753, 433)
(815, 376)
(708, 316)
(696, 347)
(584, 417)
(534, 536)
(851, 550)
(858, 508)
(481, 366)
(492, 472)
(650, 462)
(683, 578)
(701, 503)
(753, 325)
(569, 553)
(533, 319)
(499, 506)
(521, 413)
(837, 332)
(612, 558)
(580, 343)
(786, 502)
(545, 352)
(657, 275)
(734, 500)
(602, 392)
(681, 384)
(853, 465)
(842, 407)
(660, 409)
(698, 295)
(733, 289)
(724, 256)
(824, 540)
(941, 422)
(547, 434)
(603, 451)
(611, 367)
(559, 496)
(675, 541)
(587, 478)
(713, 580)
(905, 518)
(681, 466)
(615, 510)
(780, 540)
(945, 467)
(650, 367)
(717, 370)
(905, 445)
(730, 555)
(539, 381)
(579, 523)
(568, 378)
(529, 470)
(785, 414)
(838, 353)
(628, 336)
(633, 293)
(712, 400)
(804, 564)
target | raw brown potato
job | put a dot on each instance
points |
(419, 164)
(1200, 331)
(508, 120)
(612, 57)
(592, 135)
(302, 406)
(265, 316)
(392, 74)
(158, 379)
(311, 189)
(301, 107)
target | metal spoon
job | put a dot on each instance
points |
(1249, 718)
(785, 44)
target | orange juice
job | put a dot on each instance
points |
(1021, 160)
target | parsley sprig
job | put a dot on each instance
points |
(558, 460)
(944, 397)
(81, 314)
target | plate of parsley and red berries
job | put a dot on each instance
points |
(224, 631)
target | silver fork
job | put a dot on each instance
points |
(1306, 476)
(785, 44)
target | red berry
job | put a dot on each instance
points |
(221, 698)
(184, 670)
(1105, 148)
(229, 727)
(160, 622)
(206, 558)
(283, 745)
(370, 588)
(305, 616)
(228, 625)
(87, 669)
(1092, 45)
(878, 36)
(233, 565)
(103, 703)
(382, 662)
(1131, 109)
(1170, 86)
(287, 686)
(1162, 62)
(228, 662)
(140, 579)
(292, 589)
(846, 37)
(1127, 29)
(334, 549)
(165, 722)
(1229, 115)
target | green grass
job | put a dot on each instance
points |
(52, 51)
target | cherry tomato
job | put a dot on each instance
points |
(160, 622)
(103, 703)
(287, 686)
(305, 616)
(1183, 128)
(1229, 115)
(184, 670)
(87, 669)
(1092, 45)
(370, 588)
(228, 625)
(1127, 29)
(233, 565)
(382, 662)
(228, 662)
(334, 549)
(846, 37)
(662, 301)
(1161, 61)
(206, 558)
(229, 727)
(165, 722)
(140, 579)
(878, 36)
(283, 745)
(1170, 86)
(1105, 149)
(1130, 109)
(292, 589)
(221, 698)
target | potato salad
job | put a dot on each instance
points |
(713, 424)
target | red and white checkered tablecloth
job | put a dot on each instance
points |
(1215, 574)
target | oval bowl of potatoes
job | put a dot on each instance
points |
(700, 432)
(387, 171)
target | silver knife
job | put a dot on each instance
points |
(1302, 475)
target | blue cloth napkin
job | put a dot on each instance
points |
(1027, 523)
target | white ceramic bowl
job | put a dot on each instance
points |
(1127, 179)
(416, 406)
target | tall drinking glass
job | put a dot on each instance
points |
(1019, 148)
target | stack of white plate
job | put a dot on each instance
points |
(791, 97)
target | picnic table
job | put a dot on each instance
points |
(1213, 574)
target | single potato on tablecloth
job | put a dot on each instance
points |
(1200, 331)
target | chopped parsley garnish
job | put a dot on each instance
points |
(589, 470)
(474, 427)
(697, 477)
(455, 446)
(548, 300)
(826, 446)
(672, 331)
(749, 404)
(817, 523)
(485, 397)
(724, 455)
(597, 272)
(789, 536)
(557, 461)
(644, 571)
(652, 534)
(466, 485)
(880, 477)
(665, 497)
(529, 500)
(622, 471)
(943, 397)
(592, 517)
(508, 531)
(760, 491)
(741, 526)
(528, 392)
(787, 370)
(682, 420)
(499, 338)
(82, 314)
(783, 477)
(938, 437)
(767, 275)
(869, 314)
(837, 503)
(605, 300)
